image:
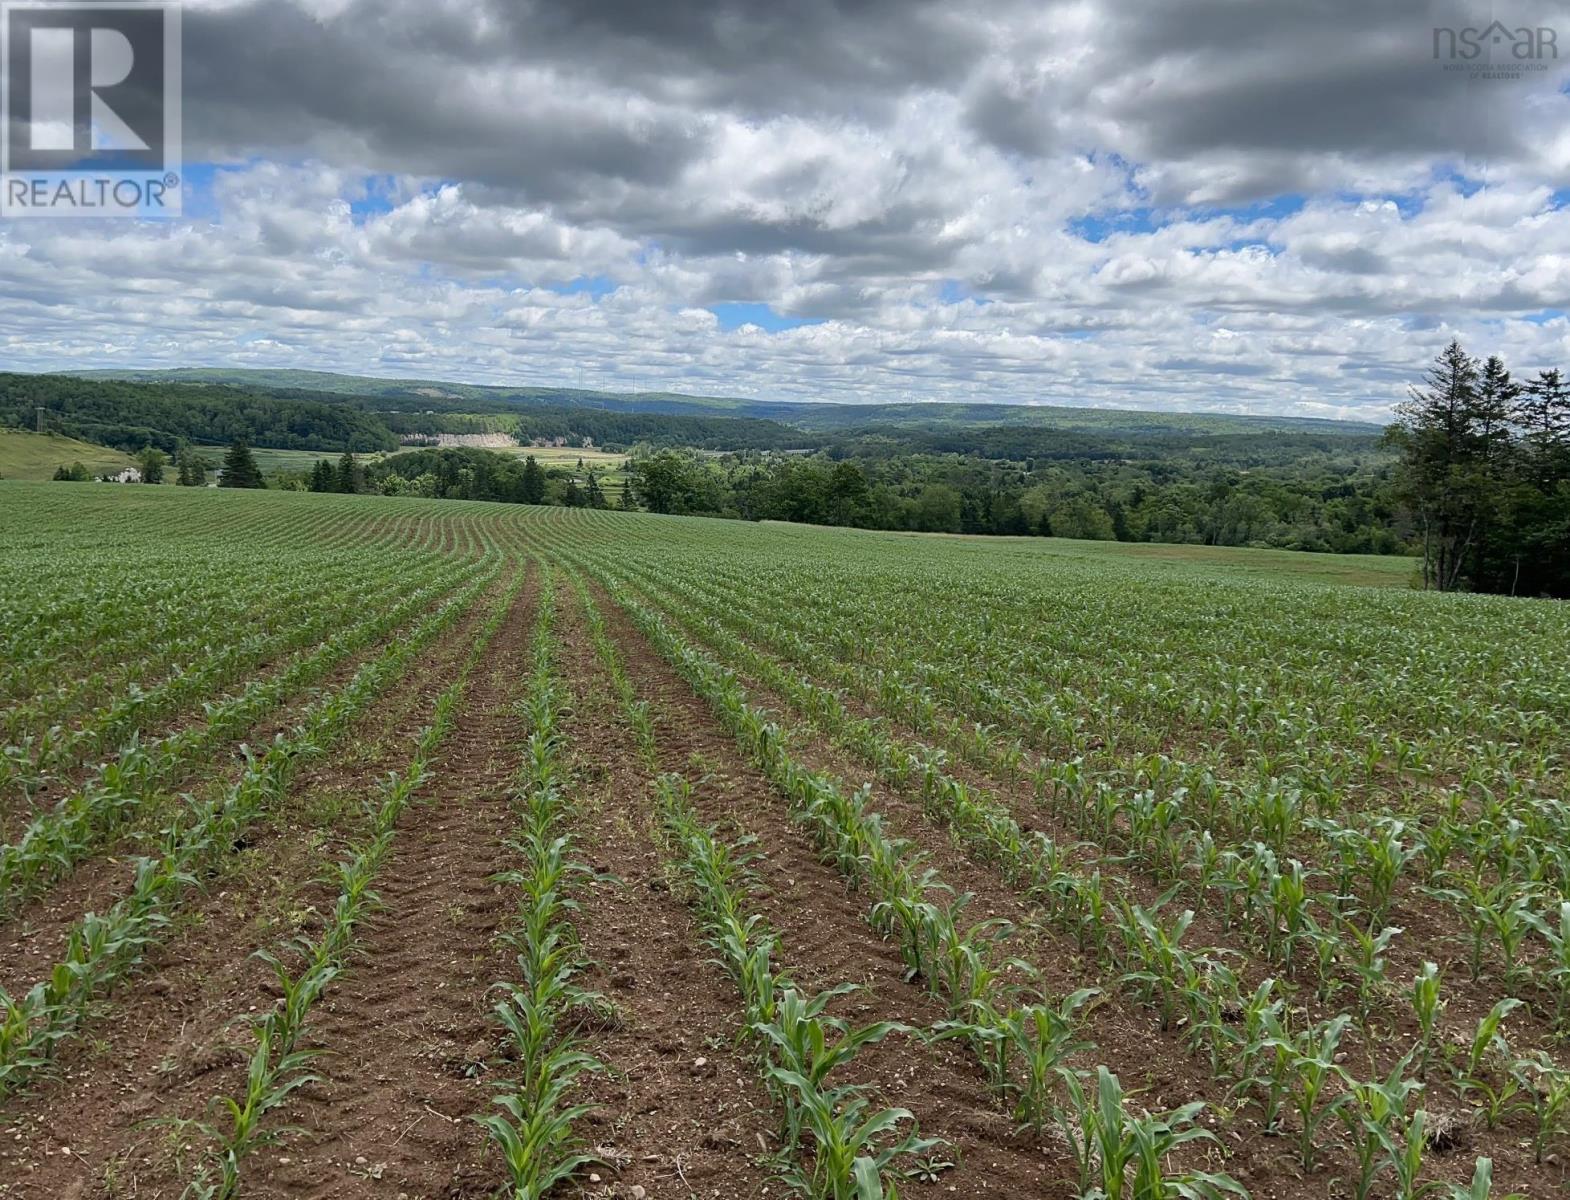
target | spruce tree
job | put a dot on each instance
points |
(323, 477)
(350, 478)
(593, 496)
(239, 468)
(1542, 412)
(1440, 435)
(532, 489)
(1497, 396)
(191, 467)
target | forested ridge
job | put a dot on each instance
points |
(1465, 479)
(131, 416)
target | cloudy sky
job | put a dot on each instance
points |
(1203, 204)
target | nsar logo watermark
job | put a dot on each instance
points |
(1497, 51)
(89, 108)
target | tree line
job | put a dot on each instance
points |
(1485, 472)
(130, 416)
(238, 469)
(459, 473)
(1339, 505)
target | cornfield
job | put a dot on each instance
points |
(373, 846)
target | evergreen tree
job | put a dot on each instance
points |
(1542, 413)
(350, 478)
(532, 488)
(1497, 398)
(151, 464)
(593, 496)
(239, 468)
(1443, 475)
(191, 467)
(572, 494)
(323, 477)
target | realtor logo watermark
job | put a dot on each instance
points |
(1497, 51)
(89, 108)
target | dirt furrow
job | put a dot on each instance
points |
(680, 1109)
(405, 1033)
(176, 1036)
(827, 941)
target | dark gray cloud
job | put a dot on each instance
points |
(965, 194)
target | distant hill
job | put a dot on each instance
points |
(446, 396)
(26, 455)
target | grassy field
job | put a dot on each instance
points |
(567, 456)
(730, 846)
(270, 460)
(36, 455)
(609, 465)
(32, 456)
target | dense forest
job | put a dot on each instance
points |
(130, 416)
(1310, 506)
(1327, 506)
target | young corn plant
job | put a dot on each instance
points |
(1161, 964)
(1557, 935)
(1266, 1059)
(1314, 1073)
(1367, 962)
(1121, 1156)
(1024, 1050)
(1427, 1006)
(1481, 1187)
(273, 1074)
(1545, 1092)
(1372, 1111)
(854, 1149)
(1472, 1076)
(805, 1041)
(1404, 1140)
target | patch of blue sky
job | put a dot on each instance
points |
(952, 291)
(594, 286)
(379, 198)
(197, 199)
(1097, 227)
(734, 314)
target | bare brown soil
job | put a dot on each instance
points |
(1124, 1034)
(34, 936)
(177, 1035)
(681, 1111)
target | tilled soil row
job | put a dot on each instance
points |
(177, 1036)
(1125, 1037)
(34, 937)
(826, 941)
(679, 1110)
(405, 1033)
